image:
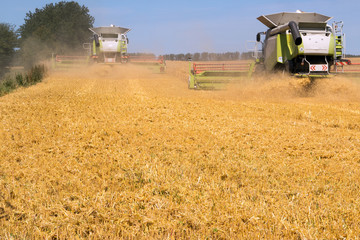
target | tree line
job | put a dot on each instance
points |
(204, 56)
(8, 43)
(61, 27)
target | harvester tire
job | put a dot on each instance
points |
(289, 66)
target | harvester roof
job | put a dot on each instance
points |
(274, 20)
(110, 30)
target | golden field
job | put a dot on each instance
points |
(122, 153)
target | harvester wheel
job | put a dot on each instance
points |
(289, 66)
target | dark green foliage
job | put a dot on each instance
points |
(8, 42)
(60, 28)
(8, 85)
(31, 77)
(36, 74)
(20, 79)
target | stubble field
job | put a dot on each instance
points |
(120, 152)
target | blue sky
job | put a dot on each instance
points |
(182, 26)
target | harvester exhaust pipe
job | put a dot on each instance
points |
(294, 31)
(96, 38)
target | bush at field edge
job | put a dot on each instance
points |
(33, 76)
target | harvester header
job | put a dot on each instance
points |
(218, 75)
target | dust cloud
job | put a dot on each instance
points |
(271, 87)
(116, 71)
(283, 87)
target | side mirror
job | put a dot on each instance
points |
(258, 37)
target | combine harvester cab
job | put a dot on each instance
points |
(154, 63)
(218, 75)
(300, 43)
(109, 44)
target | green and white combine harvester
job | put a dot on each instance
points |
(301, 44)
(109, 44)
(304, 45)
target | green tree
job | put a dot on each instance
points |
(61, 28)
(8, 42)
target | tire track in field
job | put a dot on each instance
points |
(136, 90)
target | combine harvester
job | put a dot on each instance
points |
(300, 43)
(303, 44)
(154, 63)
(109, 44)
(218, 75)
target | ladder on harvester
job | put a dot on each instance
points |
(256, 49)
(339, 51)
